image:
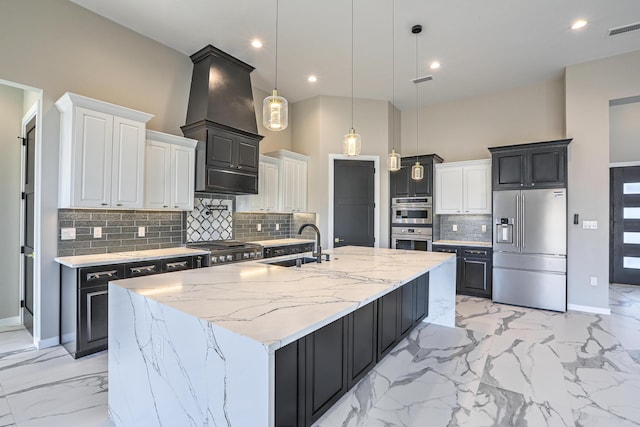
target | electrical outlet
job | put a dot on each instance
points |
(259, 227)
(594, 281)
(277, 226)
(484, 228)
(141, 231)
(455, 227)
(97, 232)
(67, 233)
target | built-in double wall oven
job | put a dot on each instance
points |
(411, 223)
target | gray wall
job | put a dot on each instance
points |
(10, 157)
(624, 131)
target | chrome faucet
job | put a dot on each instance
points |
(318, 253)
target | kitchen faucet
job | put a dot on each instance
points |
(318, 253)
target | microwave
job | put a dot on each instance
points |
(412, 210)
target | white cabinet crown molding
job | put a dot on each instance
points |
(70, 100)
(171, 139)
(286, 153)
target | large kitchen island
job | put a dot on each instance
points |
(253, 344)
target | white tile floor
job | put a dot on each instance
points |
(501, 366)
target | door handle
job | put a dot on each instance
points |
(337, 240)
(523, 221)
(517, 224)
(31, 255)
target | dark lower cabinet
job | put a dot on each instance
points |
(474, 269)
(312, 373)
(94, 323)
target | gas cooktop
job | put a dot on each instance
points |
(226, 251)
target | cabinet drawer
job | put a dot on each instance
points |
(476, 252)
(143, 268)
(100, 275)
(177, 264)
(447, 249)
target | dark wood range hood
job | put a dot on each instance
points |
(221, 116)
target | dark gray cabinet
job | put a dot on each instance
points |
(473, 269)
(84, 299)
(401, 184)
(312, 373)
(536, 165)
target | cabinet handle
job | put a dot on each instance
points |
(119, 204)
(147, 269)
(176, 206)
(230, 165)
(172, 265)
(104, 204)
(239, 167)
(165, 206)
(101, 275)
(533, 184)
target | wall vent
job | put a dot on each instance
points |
(625, 29)
(422, 79)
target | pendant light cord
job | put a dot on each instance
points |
(277, 14)
(393, 75)
(352, 64)
(416, 98)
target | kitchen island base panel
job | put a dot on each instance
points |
(442, 296)
(170, 368)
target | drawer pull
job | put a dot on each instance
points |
(146, 269)
(102, 275)
(174, 265)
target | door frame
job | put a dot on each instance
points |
(376, 195)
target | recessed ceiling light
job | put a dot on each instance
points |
(434, 65)
(580, 23)
(312, 79)
(256, 43)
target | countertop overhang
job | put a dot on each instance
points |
(276, 305)
(124, 257)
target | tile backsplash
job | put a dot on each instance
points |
(119, 230)
(245, 225)
(210, 219)
(469, 227)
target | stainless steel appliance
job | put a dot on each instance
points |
(530, 248)
(412, 210)
(412, 238)
(228, 251)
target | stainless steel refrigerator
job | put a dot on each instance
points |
(530, 248)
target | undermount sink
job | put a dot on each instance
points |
(292, 262)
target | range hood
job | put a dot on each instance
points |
(221, 116)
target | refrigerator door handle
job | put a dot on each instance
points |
(517, 222)
(523, 221)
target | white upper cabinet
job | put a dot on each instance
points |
(292, 181)
(267, 198)
(463, 187)
(169, 171)
(102, 150)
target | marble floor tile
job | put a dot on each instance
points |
(6, 416)
(14, 338)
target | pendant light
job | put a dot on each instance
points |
(352, 143)
(393, 159)
(417, 170)
(275, 109)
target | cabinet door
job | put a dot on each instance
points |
(289, 385)
(326, 368)
(246, 154)
(362, 343)
(157, 179)
(423, 187)
(270, 189)
(300, 184)
(475, 275)
(387, 323)
(182, 172)
(547, 167)
(407, 307)
(287, 186)
(93, 320)
(127, 182)
(422, 297)
(508, 170)
(91, 181)
(220, 148)
(449, 186)
(399, 181)
(477, 189)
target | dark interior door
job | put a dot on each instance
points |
(353, 204)
(624, 252)
(28, 232)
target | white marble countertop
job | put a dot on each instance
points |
(463, 243)
(122, 257)
(277, 305)
(281, 242)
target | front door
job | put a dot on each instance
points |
(624, 254)
(353, 205)
(28, 200)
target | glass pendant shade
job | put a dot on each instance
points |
(393, 161)
(275, 112)
(417, 171)
(351, 144)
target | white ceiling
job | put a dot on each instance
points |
(483, 45)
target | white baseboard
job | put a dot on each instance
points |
(48, 342)
(588, 309)
(10, 321)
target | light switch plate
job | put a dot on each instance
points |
(97, 232)
(67, 233)
(589, 225)
(141, 231)
(259, 227)
(277, 226)
(484, 228)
